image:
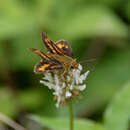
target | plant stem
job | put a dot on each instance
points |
(10, 122)
(71, 115)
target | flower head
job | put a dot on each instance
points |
(67, 80)
(66, 86)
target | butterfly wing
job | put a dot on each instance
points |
(47, 63)
(46, 66)
(44, 56)
(39, 53)
(58, 47)
(51, 47)
(65, 46)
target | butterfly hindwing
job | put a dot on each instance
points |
(65, 46)
(45, 66)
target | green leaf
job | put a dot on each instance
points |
(111, 73)
(31, 99)
(94, 21)
(16, 18)
(63, 124)
(118, 113)
(7, 103)
(127, 9)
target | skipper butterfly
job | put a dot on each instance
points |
(59, 56)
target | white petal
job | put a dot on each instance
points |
(58, 101)
(71, 86)
(82, 87)
(83, 77)
(48, 84)
(57, 88)
(68, 94)
(80, 67)
(57, 105)
(56, 93)
(56, 80)
(68, 78)
(63, 85)
(48, 77)
(76, 75)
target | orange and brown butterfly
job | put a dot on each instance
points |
(59, 56)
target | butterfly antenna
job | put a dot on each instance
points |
(32, 49)
(89, 60)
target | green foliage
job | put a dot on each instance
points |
(127, 10)
(7, 103)
(17, 18)
(95, 29)
(21, 25)
(116, 116)
(95, 21)
(31, 99)
(109, 76)
(118, 112)
(61, 123)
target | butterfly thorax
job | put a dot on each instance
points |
(65, 60)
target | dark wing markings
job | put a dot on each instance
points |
(51, 47)
(45, 66)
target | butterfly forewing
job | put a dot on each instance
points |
(61, 47)
(39, 53)
(42, 55)
(50, 45)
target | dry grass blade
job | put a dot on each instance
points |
(10, 122)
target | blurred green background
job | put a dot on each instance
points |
(95, 29)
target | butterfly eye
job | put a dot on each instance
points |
(72, 67)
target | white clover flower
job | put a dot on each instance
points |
(65, 86)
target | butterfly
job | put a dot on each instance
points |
(59, 56)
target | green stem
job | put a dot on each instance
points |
(71, 115)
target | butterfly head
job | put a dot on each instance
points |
(74, 64)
